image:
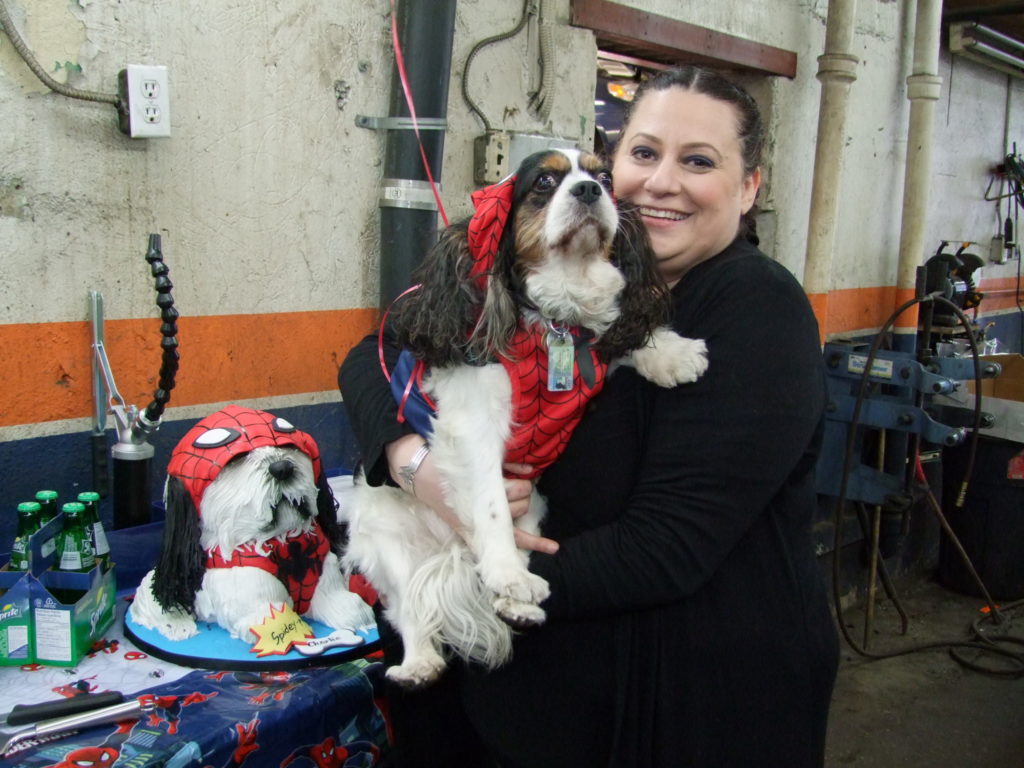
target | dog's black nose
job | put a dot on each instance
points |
(586, 191)
(282, 470)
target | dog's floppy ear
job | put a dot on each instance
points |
(327, 515)
(178, 573)
(644, 303)
(434, 321)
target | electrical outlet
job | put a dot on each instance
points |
(145, 101)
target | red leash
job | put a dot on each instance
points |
(400, 63)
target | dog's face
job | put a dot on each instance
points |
(564, 222)
(563, 205)
(268, 492)
(547, 246)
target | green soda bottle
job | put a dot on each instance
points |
(74, 550)
(28, 523)
(94, 526)
(47, 506)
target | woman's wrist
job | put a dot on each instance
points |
(405, 456)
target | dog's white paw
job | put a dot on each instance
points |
(417, 672)
(516, 584)
(517, 614)
(671, 359)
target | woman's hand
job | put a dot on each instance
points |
(518, 491)
(425, 485)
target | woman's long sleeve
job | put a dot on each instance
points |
(371, 409)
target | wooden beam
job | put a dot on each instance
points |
(643, 35)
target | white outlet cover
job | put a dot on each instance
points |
(149, 105)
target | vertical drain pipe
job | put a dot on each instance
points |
(837, 69)
(408, 210)
(923, 89)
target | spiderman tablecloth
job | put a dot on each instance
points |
(315, 716)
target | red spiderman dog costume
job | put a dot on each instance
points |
(518, 313)
(249, 527)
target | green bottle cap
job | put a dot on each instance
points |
(88, 496)
(46, 495)
(29, 506)
(73, 507)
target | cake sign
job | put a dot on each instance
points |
(317, 645)
(282, 629)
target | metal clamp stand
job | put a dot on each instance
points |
(132, 452)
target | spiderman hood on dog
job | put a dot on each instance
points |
(233, 431)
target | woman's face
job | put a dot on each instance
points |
(680, 161)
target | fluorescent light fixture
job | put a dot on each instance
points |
(986, 46)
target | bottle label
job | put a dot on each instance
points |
(100, 536)
(71, 560)
(19, 554)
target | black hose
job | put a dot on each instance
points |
(168, 329)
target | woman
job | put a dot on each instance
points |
(687, 623)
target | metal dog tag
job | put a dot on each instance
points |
(561, 354)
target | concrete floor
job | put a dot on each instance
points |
(923, 709)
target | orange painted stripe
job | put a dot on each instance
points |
(1000, 293)
(853, 309)
(867, 309)
(47, 370)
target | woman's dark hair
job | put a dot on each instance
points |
(749, 126)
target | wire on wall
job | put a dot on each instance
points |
(541, 99)
(529, 8)
(65, 90)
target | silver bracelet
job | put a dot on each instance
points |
(408, 471)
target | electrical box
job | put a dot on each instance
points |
(145, 101)
(497, 154)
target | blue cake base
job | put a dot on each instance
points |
(214, 648)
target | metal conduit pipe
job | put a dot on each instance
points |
(837, 69)
(923, 89)
(408, 210)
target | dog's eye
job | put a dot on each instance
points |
(605, 179)
(545, 183)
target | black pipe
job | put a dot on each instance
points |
(425, 32)
(132, 480)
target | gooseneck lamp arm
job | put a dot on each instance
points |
(132, 453)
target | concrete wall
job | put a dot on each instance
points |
(266, 192)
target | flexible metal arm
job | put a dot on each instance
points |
(133, 426)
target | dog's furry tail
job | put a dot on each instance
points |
(446, 591)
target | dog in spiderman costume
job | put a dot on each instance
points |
(251, 526)
(519, 312)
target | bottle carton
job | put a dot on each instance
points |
(70, 611)
(17, 642)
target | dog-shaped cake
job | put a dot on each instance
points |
(251, 526)
(518, 313)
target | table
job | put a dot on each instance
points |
(320, 716)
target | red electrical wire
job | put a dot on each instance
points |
(402, 75)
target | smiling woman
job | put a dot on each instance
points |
(692, 179)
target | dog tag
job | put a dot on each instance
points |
(561, 353)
